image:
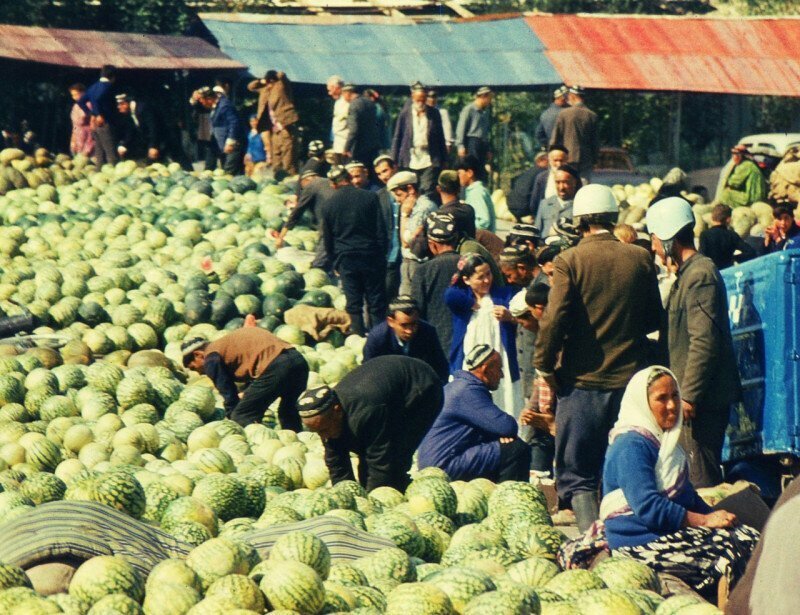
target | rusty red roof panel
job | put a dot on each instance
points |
(92, 49)
(733, 56)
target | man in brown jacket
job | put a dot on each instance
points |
(699, 337)
(268, 366)
(576, 129)
(277, 117)
(603, 302)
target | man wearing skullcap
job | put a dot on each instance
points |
(576, 128)
(474, 127)
(354, 236)
(268, 367)
(359, 176)
(418, 142)
(518, 265)
(472, 437)
(316, 159)
(527, 235)
(545, 184)
(745, 183)
(380, 411)
(558, 206)
(547, 120)
(433, 277)
(405, 333)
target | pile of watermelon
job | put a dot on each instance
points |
(122, 264)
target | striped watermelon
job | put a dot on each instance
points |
(461, 585)
(293, 585)
(303, 547)
(13, 576)
(104, 575)
(190, 509)
(533, 572)
(420, 599)
(224, 494)
(170, 599)
(239, 590)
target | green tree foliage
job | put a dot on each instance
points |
(145, 16)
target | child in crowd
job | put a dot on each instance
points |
(256, 156)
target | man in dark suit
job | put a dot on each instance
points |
(522, 185)
(404, 333)
(98, 102)
(354, 234)
(380, 411)
(139, 135)
(363, 139)
(576, 128)
(547, 120)
(418, 142)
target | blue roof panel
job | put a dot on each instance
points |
(457, 54)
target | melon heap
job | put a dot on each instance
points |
(123, 263)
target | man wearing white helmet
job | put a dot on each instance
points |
(603, 302)
(699, 339)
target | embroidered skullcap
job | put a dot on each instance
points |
(442, 228)
(403, 303)
(189, 346)
(316, 400)
(478, 356)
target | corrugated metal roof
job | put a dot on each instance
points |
(92, 49)
(458, 54)
(733, 56)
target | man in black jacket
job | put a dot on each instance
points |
(354, 235)
(363, 139)
(405, 333)
(522, 186)
(139, 135)
(314, 191)
(380, 411)
(433, 276)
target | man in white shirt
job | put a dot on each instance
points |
(341, 109)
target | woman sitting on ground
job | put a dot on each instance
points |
(650, 509)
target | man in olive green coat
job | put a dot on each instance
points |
(699, 340)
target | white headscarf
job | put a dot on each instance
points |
(635, 415)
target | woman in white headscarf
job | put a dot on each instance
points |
(650, 509)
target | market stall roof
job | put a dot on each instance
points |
(387, 53)
(689, 54)
(759, 56)
(92, 49)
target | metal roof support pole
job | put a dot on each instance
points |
(677, 112)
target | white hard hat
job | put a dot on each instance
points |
(667, 216)
(594, 199)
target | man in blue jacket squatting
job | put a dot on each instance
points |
(472, 437)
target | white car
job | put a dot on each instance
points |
(772, 144)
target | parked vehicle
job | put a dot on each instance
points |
(615, 166)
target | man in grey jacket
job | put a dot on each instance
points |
(699, 339)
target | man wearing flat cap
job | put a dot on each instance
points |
(414, 210)
(474, 127)
(418, 142)
(576, 129)
(363, 136)
(268, 367)
(405, 333)
(380, 411)
(547, 120)
(472, 437)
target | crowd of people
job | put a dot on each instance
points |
(493, 358)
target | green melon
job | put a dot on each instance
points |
(302, 547)
(418, 598)
(104, 575)
(294, 586)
